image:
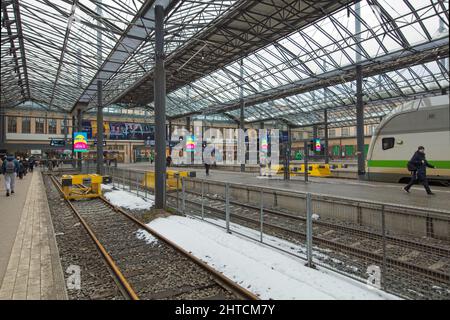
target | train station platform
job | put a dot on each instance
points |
(30, 268)
(388, 193)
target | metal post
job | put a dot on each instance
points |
(145, 185)
(183, 196)
(360, 124)
(309, 230)
(79, 129)
(242, 118)
(99, 128)
(305, 159)
(325, 151)
(261, 215)
(227, 207)
(203, 200)
(287, 156)
(160, 110)
(359, 96)
(123, 179)
(137, 185)
(3, 126)
(383, 233)
(178, 196)
(74, 162)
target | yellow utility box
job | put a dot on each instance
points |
(82, 186)
(314, 170)
(173, 179)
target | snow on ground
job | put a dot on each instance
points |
(126, 199)
(262, 270)
(144, 235)
(265, 271)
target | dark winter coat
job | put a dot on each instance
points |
(418, 159)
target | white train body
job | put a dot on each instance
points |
(424, 122)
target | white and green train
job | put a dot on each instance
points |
(424, 122)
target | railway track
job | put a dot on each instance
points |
(408, 263)
(150, 266)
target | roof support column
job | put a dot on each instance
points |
(359, 98)
(325, 149)
(190, 155)
(360, 123)
(241, 135)
(79, 129)
(73, 142)
(160, 110)
(2, 126)
(66, 129)
(99, 127)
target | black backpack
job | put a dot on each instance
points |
(411, 166)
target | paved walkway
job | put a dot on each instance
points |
(10, 214)
(34, 271)
(392, 193)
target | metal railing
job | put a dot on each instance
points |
(399, 249)
(385, 246)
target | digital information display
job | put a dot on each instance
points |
(317, 145)
(80, 142)
(190, 143)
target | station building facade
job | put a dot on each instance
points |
(129, 138)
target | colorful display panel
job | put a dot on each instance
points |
(80, 143)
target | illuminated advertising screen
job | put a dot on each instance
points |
(80, 143)
(264, 144)
(317, 145)
(190, 143)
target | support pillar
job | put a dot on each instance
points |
(160, 110)
(99, 127)
(242, 117)
(325, 120)
(79, 129)
(3, 126)
(360, 124)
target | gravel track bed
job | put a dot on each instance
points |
(76, 248)
(397, 281)
(155, 270)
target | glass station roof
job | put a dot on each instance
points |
(50, 54)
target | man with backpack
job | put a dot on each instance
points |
(10, 168)
(418, 167)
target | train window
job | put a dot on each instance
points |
(387, 143)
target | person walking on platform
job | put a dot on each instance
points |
(10, 168)
(418, 167)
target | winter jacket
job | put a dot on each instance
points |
(16, 164)
(418, 159)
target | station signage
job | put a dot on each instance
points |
(57, 142)
(80, 142)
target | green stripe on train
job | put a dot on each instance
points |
(439, 164)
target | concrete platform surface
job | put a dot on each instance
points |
(389, 193)
(34, 270)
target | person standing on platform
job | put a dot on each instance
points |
(10, 168)
(418, 167)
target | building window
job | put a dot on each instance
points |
(52, 126)
(387, 143)
(345, 132)
(12, 124)
(26, 125)
(40, 125)
(332, 132)
(63, 126)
